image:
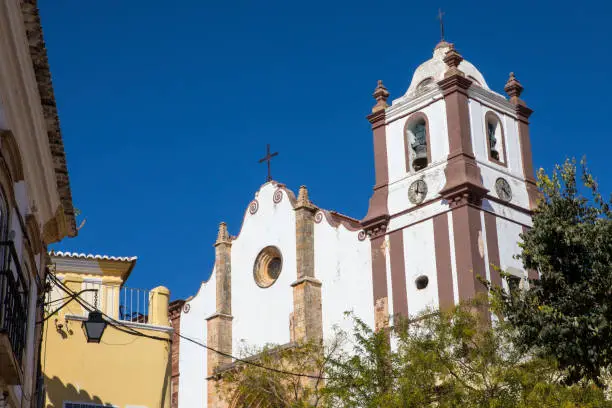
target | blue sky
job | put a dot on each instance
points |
(165, 107)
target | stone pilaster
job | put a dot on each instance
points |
(307, 315)
(463, 178)
(514, 89)
(378, 212)
(219, 325)
(464, 190)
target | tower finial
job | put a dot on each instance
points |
(452, 59)
(222, 235)
(440, 17)
(514, 89)
(303, 198)
(380, 94)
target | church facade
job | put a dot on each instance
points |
(454, 188)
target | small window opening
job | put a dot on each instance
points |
(421, 282)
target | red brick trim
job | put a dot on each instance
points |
(443, 261)
(466, 228)
(398, 273)
(490, 221)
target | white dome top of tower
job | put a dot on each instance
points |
(432, 71)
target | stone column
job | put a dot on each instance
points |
(219, 325)
(307, 310)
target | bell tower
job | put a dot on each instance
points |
(454, 186)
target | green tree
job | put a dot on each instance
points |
(567, 312)
(290, 376)
(449, 359)
(445, 359)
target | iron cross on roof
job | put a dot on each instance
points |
(440, 15)
(268, 158)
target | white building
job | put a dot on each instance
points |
(454, 189)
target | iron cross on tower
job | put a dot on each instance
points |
(440, 15)
(268, 158)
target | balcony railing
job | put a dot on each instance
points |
(13, 299)
(134, 305)
(121, 303)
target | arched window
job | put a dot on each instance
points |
(417, 142)
(495, 138)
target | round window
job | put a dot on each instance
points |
(267, 267)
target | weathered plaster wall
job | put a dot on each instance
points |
(192, 358)
(420, 259)
(343, 264)
(508, 236)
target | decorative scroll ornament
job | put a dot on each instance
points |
(186, 308)
(254, 206)
(362, 235)
(318, 217)
(278, 196)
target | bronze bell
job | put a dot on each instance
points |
(419, 147)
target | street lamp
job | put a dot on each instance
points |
(94, 326)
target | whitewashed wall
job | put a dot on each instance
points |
(396, 139)
(343, 264)
(420, 259)
(193, 358)
(261, 315)
(508, 238)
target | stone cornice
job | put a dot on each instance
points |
(489, 98)
(455, 83)
(376, 226)
(406, 103)
(307, 279)
(220, 316)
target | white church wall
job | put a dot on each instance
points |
(490, 170)
(508, 241)
(261, 315)
(519, 190)
(193, 358)
(343, 264)
(398, 192)
(420, 259)
(396, 139)
(435, 207)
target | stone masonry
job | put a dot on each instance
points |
(174, 315)
(307, 309)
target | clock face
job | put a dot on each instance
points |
(417, 192)
(503, 189)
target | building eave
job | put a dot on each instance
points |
(38, 53)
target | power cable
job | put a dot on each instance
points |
(122, 326)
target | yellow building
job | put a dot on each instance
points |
(130, 367)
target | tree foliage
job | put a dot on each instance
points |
(449, 359)
(567, 312)
(442, 359)
(293, 376)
